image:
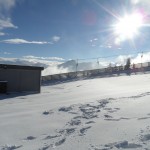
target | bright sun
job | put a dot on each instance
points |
(128, 26)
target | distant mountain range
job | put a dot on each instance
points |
(56, 67)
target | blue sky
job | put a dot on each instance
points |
(69, 29)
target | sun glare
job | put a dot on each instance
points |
(128, 26)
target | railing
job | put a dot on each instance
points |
(104, 72)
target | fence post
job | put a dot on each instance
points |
(76, 66)
(98, 65)
(141, 62)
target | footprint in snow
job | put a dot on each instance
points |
(23, 98)
(119, 145)
(116, 119)
(110, 119)
(44, 148)
(65, 109)
(51, 137)
(143, 118)
(125, 145)
(83, 130)
(145, 137)
(30, 138)
(75, 113)
(79, 85)
(108, 116)
(47, 112)
(89, 122)
(12, 147)
(60, 142)
(74, 122)
(67, 132)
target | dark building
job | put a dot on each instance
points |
(15, 78)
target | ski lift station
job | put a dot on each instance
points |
(15, 78)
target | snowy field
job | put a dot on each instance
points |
(95, 114)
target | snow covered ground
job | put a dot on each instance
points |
(95, 114)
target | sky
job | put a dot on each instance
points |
(73, 29)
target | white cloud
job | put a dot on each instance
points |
(7, 4)
(51, 64)
(121, 60)
(54, 69)
(30, 62)
(139, 59)
(6, 53)
(51, 67)
(55, 38)
(134, 59)
(104, 46)
(44, 58)
(6, 23)
(5, 9)
(119, 48)
(22, 41)
(2, 33)
(134, 1)
(101, 46)
(143, 4)
(57, 66)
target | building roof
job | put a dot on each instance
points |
(6, 66)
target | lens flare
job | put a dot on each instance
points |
(128, 26)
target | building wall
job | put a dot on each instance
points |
(20, 80)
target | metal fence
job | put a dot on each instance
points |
(98, 63)
(102, 72)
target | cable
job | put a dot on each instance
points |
(109, 56)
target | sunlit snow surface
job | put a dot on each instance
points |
(95, 114)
